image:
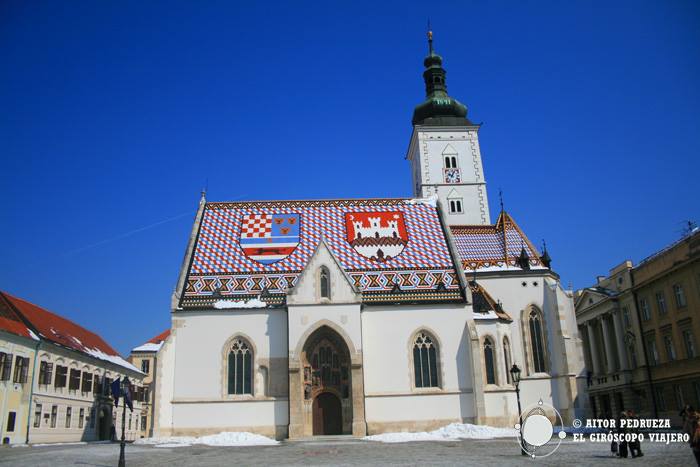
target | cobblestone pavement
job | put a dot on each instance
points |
(502, 452)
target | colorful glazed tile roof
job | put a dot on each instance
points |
(41, 323)
(493, 247)
(392, 249)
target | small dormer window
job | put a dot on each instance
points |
(325, 283)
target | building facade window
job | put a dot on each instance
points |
(679, 294)
(86, 385)
(661, 303)
(74, 381)
(45, 373)
(146, 366)
(537, 343)
(652, 351)
(689, 343)
(425, 361)
(69, 413)
(660, 399)
(92, 417)
(680, 400)
(37, 415)
(240, 367)
(644, 309)
(455, 206)
(450, 162)
(61, 376)
(325, 282)
(144, 423)
(507, 359)
(81, 418)
(670, 348)
(489, 361)
(21, 368)
(626, 317)
(5, 366)
(54, 415)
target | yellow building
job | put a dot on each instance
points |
(639, 326)
(145, 357)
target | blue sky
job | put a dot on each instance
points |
(116, 114)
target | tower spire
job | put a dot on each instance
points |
(439, 108)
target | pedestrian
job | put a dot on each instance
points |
(695, 435)
(636, 444)
(621, 432)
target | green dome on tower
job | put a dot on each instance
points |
(439, 108)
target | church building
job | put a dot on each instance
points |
(362, 316)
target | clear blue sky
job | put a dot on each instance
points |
(114, 115)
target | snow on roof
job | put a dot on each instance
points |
(493, 247)
(61, 331)
(250, 249)
(154, 344)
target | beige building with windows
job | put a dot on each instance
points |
(145, 357)
(639, 327)
(55, 379)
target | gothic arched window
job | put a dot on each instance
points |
(489, 361)
(537, 341)
(240, 367)
(325, 283)
(425, 361)
(507, 359)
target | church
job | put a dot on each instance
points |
(300, 318)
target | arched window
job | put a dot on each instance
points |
(506, 359)
(240, 367)
(425, 361)
(489, 361)
(454, 162)
(325, 282)
(537, 341)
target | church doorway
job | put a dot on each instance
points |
(327, 415)
(326, 383)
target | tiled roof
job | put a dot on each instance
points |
(485, 307)
(493, 247)
(61, 331)
(259, 248)
(11, 321)
(153, 345)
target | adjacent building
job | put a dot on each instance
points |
(145, 357)
(640, 326)
(55, 379)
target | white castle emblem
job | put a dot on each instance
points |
(379, 236)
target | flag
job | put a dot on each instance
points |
(127, 397)
(116, 391)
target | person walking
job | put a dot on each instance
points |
(622, 431)
(693, 427)
(636, 445)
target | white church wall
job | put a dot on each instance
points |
(165, 385)
(344, 318)
(392, 401)
(200, 402)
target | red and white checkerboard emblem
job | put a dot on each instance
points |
(268, 238)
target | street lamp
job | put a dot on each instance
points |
(124, 390)
(515, 376)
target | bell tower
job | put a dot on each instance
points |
(444, 150)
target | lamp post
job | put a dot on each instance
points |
(125, 387)
(515, 375)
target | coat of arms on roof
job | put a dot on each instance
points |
(378, 236)
(268, 238)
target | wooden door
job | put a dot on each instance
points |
(327, 415)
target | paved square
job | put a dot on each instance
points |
(350, 452)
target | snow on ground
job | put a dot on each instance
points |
(76, 443)
(226, 438)
(450, 432)
(252, 303)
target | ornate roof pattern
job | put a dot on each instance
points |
(494, 247)
(392, 249)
